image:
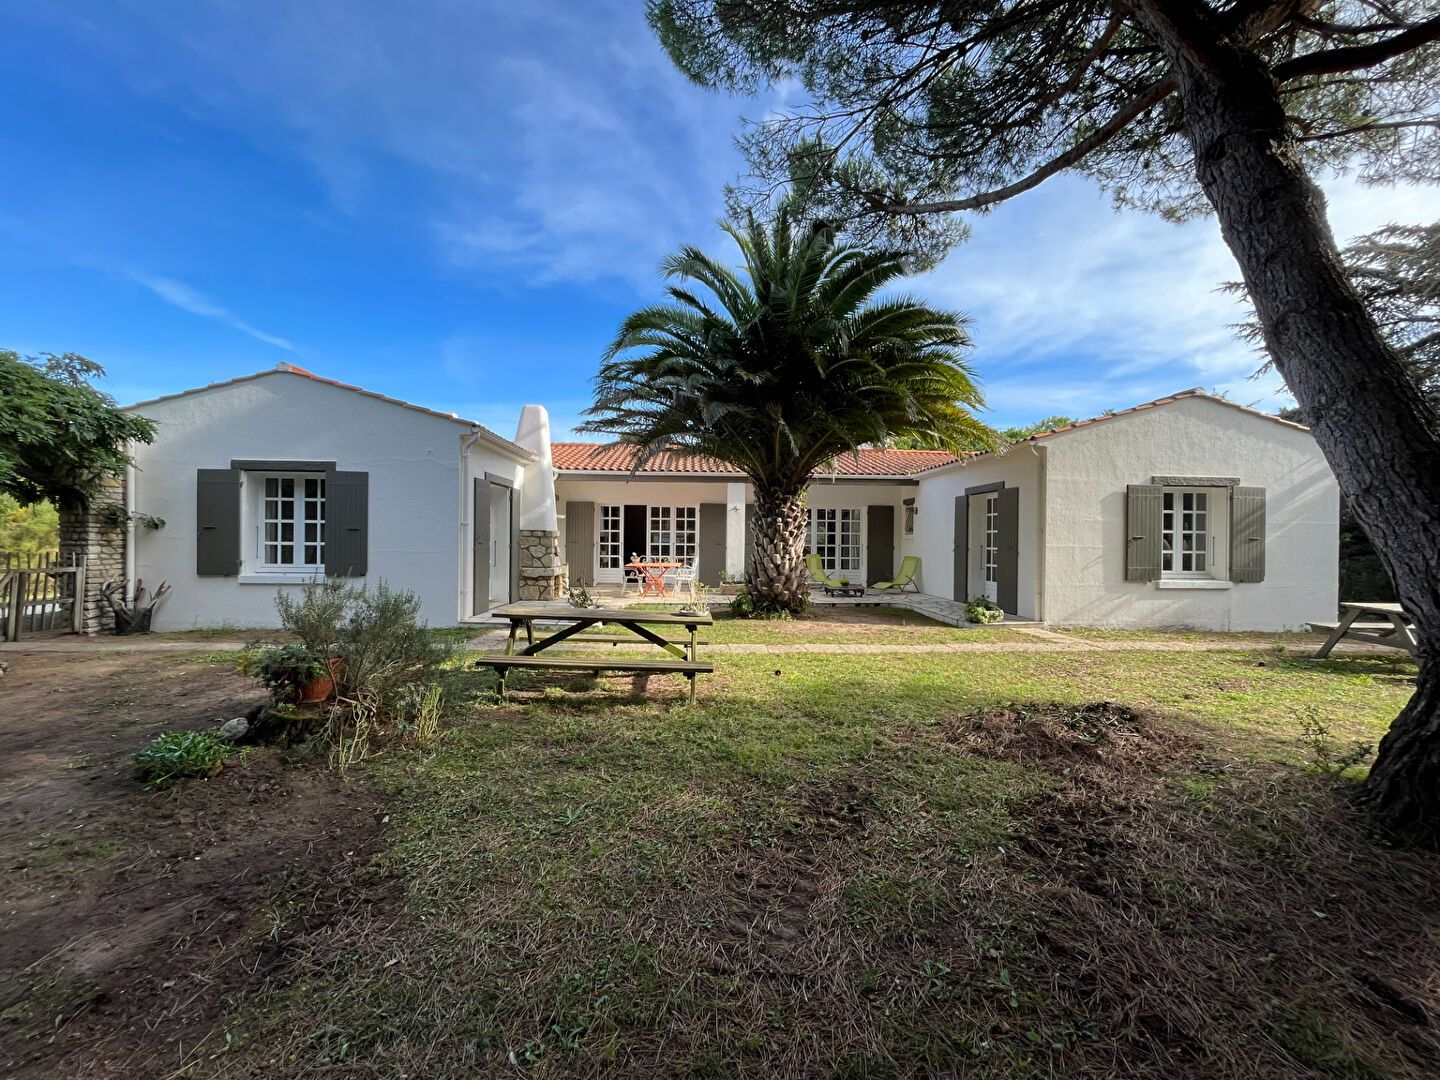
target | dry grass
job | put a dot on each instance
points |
(799, 880)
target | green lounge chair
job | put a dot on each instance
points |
(909, 567)
(818, 575)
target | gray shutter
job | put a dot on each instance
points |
(1007, 555)
(879, 544)
(961, 557)
(347, 523)
(580, 542)
(712, 543)
(217, 522)
(1144, 505)
(480, 547)
(1247, 534)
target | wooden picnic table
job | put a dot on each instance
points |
(525, 615)
(1397, 630)
(653, 573)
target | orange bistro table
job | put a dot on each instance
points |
(654, 572)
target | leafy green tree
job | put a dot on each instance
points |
(918, 111)
(1007, 435)
(28, 530)
(783, 370)
(59, 435)
(1024, 431)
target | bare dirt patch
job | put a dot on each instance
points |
(134, 919)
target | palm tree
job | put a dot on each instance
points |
(782, 373)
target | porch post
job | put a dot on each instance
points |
(735, 530)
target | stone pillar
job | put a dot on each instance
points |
(98, 536)
(542, 574)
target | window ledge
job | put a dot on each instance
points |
(1192, 583)
(281, 579)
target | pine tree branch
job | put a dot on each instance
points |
(1330, 61)
(1151, 96)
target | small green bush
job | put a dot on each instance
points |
(175, 755)
(745, 606)
(981, 609)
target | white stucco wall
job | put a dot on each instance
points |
(414, 462)
(934, 539)
(1088, 470)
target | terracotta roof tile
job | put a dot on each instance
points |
(601, 457)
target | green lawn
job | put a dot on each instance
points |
(849, 866)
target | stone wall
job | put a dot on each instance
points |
(92, 534)
(542, 574)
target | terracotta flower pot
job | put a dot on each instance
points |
(321, 688)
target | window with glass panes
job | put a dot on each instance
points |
(992, 537)
(292, 526)
(662, 537)
(674, 532)
(687, 533)
(835, 537)
(610, 538)
(1185, 546)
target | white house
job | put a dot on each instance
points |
(1188, 511)
(271, 479)
(693, 507)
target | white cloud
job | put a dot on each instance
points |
(184, 297)
(1078, 308)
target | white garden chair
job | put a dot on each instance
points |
(632, 578)
(683, 578)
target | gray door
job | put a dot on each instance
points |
(879, 544)
(480, 553)
(962, 547)
(1007, 555)
(580, 541)
(712, 542)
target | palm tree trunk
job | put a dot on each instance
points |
(776, 570)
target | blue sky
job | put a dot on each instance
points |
(455, 202)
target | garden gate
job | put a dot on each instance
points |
(41, 595)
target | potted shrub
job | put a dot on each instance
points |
(294, 673)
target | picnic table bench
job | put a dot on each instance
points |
(525, 615)
(1397, 631)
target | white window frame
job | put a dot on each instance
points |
(837, 535)
(990, 549)
(1216, 528)
(258, 509)
(611, 537)
(672, 533)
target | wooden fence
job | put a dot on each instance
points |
(40, 594)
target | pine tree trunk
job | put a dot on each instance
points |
(776, 571)
(1380, 436)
